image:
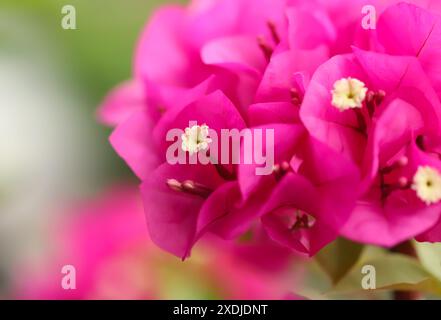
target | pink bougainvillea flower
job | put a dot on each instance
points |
(206, 38)
(285, 65)
(352, 105)
(310, 194)
(309, 206)
(406, 29)
(217, 53)
(432, 145)
(107, 243)
(183, 46)
(177, 215)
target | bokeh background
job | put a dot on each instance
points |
(66, 198)
(52, 150)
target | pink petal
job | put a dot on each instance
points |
(162, 55)
(279, 79)
(225, 214)
(336, 179)
(325, 122)
(295, 193)
(172, 217)
(286, 139)
(260, 114)
(215, 110)
(403, 77)
(309, 29)
(389, 135)
(121, 103)
(239, 53)
(406, 29)
(132, 140)
(401, 216)
(432, 235)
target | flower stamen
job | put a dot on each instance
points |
(225, 173)
(373, 100)
(348, 93)
(196, 139)
(302, 221)
(265, 47)
(274, 33)
(427, 184)
(190, 187)
(296, 98)
(400, 163)
(280, 170)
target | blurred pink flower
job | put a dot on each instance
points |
(107, 243)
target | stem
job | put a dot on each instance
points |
(406, 248)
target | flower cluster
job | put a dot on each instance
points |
(356, 116)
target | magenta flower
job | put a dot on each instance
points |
(355, 116)
(378, 110)
(307, 200)
(211, 76)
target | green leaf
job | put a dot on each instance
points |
(393, 272)
(338, 257)
(430, 256)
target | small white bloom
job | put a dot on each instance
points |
(348, 93)
(427, 184)
(195, 139)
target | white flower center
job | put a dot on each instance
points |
(195, 139)
(427, 184)
(348, 93)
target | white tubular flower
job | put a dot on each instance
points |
(196, 139)
(427, 184)
(348, 93)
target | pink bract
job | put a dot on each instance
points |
(271, 64)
